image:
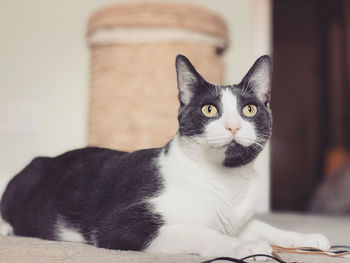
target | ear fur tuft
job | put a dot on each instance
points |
(259, 79)
(188, 79)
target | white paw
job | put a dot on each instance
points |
(5, 229)
(309, 240)
(253, 247)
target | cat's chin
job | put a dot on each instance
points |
(233, 143)
(230, 144)
(237, 155)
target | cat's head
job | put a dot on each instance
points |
(233, 120)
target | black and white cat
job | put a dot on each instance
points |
(195, 195)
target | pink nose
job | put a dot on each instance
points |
(232, 128)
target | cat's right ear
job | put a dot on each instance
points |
(188, 79)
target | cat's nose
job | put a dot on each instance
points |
(233, 128)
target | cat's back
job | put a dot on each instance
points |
(41, 169)
(75, 185)
(44, 174)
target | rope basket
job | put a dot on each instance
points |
(133, 96)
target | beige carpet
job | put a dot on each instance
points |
(19, 249)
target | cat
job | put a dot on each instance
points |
(195, 195)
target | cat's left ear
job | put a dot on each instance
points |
(258, 79)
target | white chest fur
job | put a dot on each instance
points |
(210, 195)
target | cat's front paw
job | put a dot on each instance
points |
(309, 240)
(253, 247)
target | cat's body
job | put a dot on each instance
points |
(89, 195)
(195, 195)
(203, 194)
(113, 201)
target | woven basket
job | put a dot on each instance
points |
(133, 98)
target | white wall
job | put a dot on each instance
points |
(44, 72)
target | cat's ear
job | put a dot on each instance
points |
(188, 79)
(258, 79)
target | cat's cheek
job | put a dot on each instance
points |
(246, 136)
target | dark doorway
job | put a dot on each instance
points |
(309, 95)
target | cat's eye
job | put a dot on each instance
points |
(250, 110)
(209, 111)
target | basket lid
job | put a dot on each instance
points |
(122, 18)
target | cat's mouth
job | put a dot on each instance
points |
(223, 143)
(235, 143)
(226, 145)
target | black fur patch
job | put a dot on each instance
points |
(192, 122)
(100, 192)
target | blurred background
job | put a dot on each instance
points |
(66, 71)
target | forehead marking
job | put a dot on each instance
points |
(229, 103)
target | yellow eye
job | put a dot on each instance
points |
(250, 110)
(209, 110)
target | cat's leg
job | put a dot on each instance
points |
(257, 230)
(197, 239)
(5, 228)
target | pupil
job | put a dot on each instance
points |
(250, 108)
(209, 109)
